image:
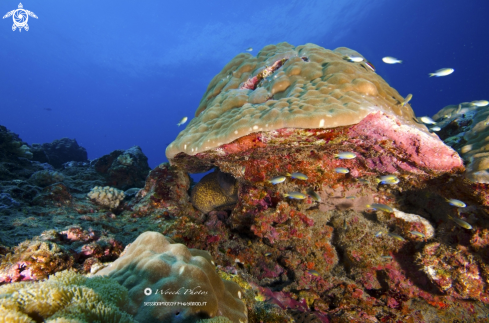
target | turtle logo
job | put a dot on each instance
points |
(20, 17)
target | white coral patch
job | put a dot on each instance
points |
(428, 228)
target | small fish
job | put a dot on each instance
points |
(442, 72)
(456, 203)
(345, 226)
(461, 222)
(314, 273)
(341, 170)
(435, 128)
(249, 49)
(363, 181)
(355, 59)
(268, 254)
(352, 197)
(277, 180)
(378, 234)
(407, 99)
(391, 181)
(260, 297)
(315, 196)
(391, 60)
(387, 179)
(345, 155)
(184, 119)
(386, 257)
(480, 103)
(380, 207)
(427, 120)
(298, 176)
(370, 65)
(396, 236)
(418, 234)
(295, 195)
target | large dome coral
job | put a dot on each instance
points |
(287, 87)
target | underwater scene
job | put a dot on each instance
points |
(247, 162)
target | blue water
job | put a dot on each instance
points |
(114, 74)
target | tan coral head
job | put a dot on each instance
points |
(287, 87)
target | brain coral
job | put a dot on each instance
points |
(216, 190)
(64, 297)
(170, 272)
(106, 196)
(285, 86)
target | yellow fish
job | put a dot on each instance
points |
(298, 176)
(277, 180)
(418, 234)
(456, 203)
(295, 195)
(345, 155)
(480, 103)
(313, 273)
(407, 99)
(380, 207)
(396, 236)
(461, 223)
(184, 119)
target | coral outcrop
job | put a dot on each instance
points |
(65, 297)
(309, 87)
(106, 196)
(123, 169)
(155, 269)
(59, 152)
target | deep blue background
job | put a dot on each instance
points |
(118, 73)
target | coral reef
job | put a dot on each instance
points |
(304, 241)
(65, 297)
(106, 196)
(156, 270)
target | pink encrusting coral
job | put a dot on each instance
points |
(417, 149)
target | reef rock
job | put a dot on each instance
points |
(123, 169)
(59, 152)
